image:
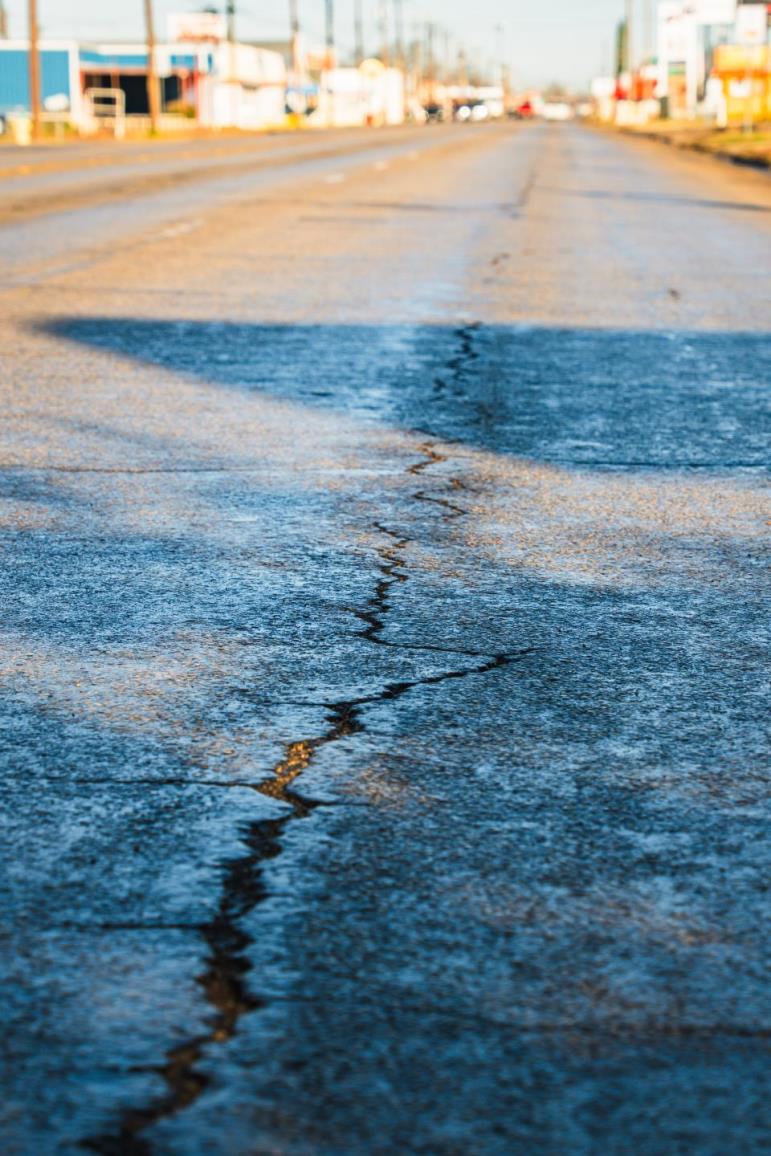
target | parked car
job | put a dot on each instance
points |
(434, 113)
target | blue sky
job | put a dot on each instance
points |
(568, 40)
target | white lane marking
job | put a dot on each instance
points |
(335, 179)
(180, 229)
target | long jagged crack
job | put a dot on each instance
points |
(227, 964)
(243, 889)
(392, 573)
(392, 556)
(451, 379)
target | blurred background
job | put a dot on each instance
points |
(160, 65)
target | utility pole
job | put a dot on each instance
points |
(330, 30)
(463, 72)
(294, 24)
(152, 78)
(34, 69)
(430, 63)
(358, 31)
(630, 42)
(385, 54)
(399, 34)
(500, 46)
(235, 92)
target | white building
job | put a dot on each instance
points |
(354, 97)
(245, 89)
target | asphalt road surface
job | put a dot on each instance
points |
(384, 708)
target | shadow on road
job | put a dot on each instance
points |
(583, 397)
(527, 579)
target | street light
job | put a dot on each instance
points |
(34, 69)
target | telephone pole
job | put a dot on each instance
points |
(34, 69)
(630, 41)
(430, 63)
(399, 35)
(329, 11)
(152, 78)
(294, 25)
(385, 53)
(358, 31)
(500, 49)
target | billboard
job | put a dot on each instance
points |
(751, 24)
(711, 12)
(203, 27)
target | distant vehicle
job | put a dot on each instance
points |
(471, 110)
(434, 113)
(557, 111)
(524, 111)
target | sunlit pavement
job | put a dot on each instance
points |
(383, 650)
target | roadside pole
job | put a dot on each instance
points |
(399, 34)
(500, 46)
(294, 24)
(401, 56)
(358, 31)
(34, 69)
(235, 101)
(329, 16)
(630, 44)
(152, 77)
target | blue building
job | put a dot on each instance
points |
(217, 85)
(59, 76)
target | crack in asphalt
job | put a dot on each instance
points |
(243, 889)
(525, 194)
(456, 370)
(227, 965)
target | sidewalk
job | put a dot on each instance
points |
(734, 144)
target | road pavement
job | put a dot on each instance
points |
(384, 659)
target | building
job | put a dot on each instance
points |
(700, 41)
(213, 85)
(60, 83)
(371, 94)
